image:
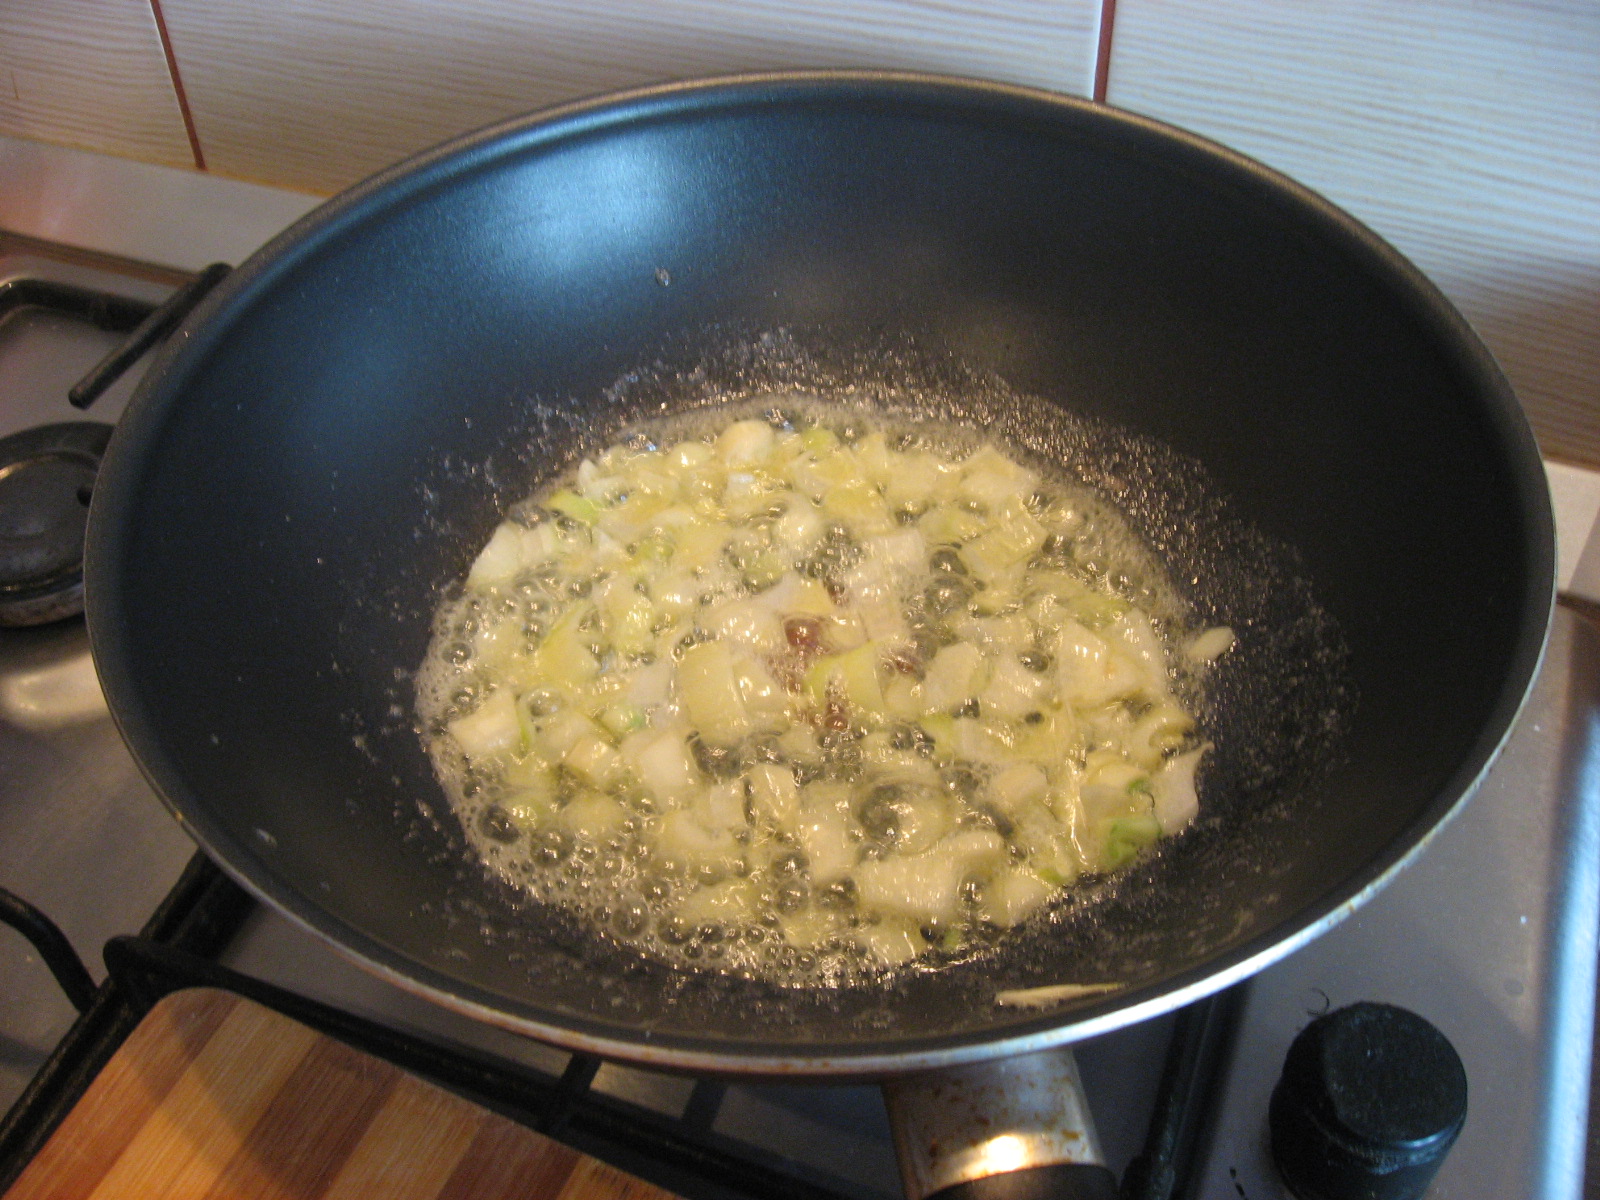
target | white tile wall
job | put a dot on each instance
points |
(90, 73)
(1467, 132)
(320, 93)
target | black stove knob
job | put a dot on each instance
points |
(1370, 1101)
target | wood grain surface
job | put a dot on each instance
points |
(1465, 133)
(318, 93)
(214, 1096)
(92, 74)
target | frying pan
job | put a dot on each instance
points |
(1286, 409)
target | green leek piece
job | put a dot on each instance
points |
(1124, 837)
(1097, 609)
(569, 503)
(622, 718)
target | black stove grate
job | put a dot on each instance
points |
(175, 951)
(198, 919)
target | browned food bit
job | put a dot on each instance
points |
(804, 634)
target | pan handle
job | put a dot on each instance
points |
(1013, 1129)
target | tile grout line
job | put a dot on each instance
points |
(1102, 56)
(177, 85)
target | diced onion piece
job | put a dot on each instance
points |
(799, 742)
(592, 817)
(853, 674)
(1177, 803)
(499, 644)
(1210, 645)
(510, 552)
(492, 728)
(663, 763)
(892, 940)
(746, 621)
(860, 505)
(675, 593)
(876, 602)
(983, 741)
(914, 478)
(949, 525)
(927, 886)
(593, 758)
(621, 717)
(1114, 787)
(688, 455)
(1018, 785)
(598, 486)
(1053, 994)
(902, 698)
(1090, 672)
(1158, 732)
(844, 631)
(744, 443)
(731, 902)
(824, 832)
(724, 805)
(684, 843)
(709, 693)
(564, 654)
(764, 698)
(1013, 691)
(1012, 895)
(625, 615)
(809, 928)
(1013, 538)
(858, 671)
(990, 478)
(799, 527)
(1050, 836)
(774, 795)
(650, 687)
(954, 676)
(700, 544)
(1136, 631)
(569, 504)
(901, 554)
(875, 457)
(1008, 634)
(797, 597)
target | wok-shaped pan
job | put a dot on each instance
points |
(1284, 406)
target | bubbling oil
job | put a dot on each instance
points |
(786, 811)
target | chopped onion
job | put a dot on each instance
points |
(793, 689)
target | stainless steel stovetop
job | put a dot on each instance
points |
(1491, 935)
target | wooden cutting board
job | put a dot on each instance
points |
(214, 1096)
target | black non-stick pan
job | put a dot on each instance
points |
(1289, 412)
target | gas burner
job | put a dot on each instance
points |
(46, 476)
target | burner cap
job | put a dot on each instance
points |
(46, 476)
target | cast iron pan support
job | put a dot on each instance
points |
(160, 322)
(1013, 1129)
(53, 947)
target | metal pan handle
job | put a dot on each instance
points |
(1012, 1129)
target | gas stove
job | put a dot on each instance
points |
(1490, 936)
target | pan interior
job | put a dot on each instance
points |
(1270, 398)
